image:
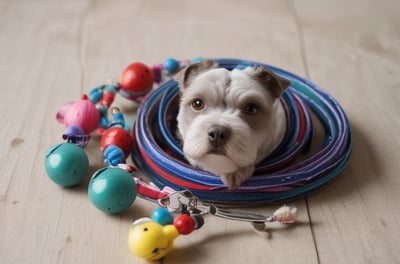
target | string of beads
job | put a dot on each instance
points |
(111, 189)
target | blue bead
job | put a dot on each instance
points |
(112, 190)
(171, 65)
(96, 94)
(114, 155)
(66, 164)
(197, 59)
(104, 122)
(110, 88)
(162, 216)
(118, 120)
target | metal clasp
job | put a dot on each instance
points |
(182, 201)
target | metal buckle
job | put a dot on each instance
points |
(181, 201)
(185, 202)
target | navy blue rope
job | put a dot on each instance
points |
(154, 138)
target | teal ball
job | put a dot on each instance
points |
(112, 190)
(162, 216)
(66, 164)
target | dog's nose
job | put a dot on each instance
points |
(218, 135)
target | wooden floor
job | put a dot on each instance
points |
(53, 51)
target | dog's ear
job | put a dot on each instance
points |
(187, 75)
(276, 85)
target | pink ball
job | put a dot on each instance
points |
(84, 114)
(61, 112)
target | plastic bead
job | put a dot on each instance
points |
(107, 100)
(119, 120)
(74, 130)
(157, 73)
(84, 114)
(136, 80)
(112, 190)
(197, 59)
(62, 111)
(112, 87)
(96, 94)
(150, 240)
(66, 164)
(119, 137)
(171, 65)
(162, 216)
(104, 124)
(74, 134)
(114, 155)
(185, 224)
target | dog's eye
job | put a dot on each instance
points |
(197, 104)
(250, 109)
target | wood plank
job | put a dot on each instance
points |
(53, 52)
(40, 70)
(352, 51)
(255, 32)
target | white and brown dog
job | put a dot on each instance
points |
(229, 121)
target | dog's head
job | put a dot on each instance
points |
(227, 119)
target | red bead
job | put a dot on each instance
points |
(107, 99)
(136, 80)
(119, 137)
(184, 224)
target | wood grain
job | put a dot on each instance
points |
(53, 51)
(353, 52)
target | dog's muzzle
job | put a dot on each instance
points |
(218, 135)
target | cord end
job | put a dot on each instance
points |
(285, 214)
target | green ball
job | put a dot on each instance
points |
(66, 164)
(112, 190)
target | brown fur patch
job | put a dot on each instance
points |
(187, 75)
(275, 84)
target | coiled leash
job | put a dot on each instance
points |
(174, 185)
(278, 177)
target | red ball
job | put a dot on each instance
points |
(184, 224)
(136, 80)
(119, 137)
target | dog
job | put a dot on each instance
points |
(228, 121)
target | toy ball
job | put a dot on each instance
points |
(84, 114)
(66, 164)
(150, 240)
(185, 224)
(112, 190)
(171, 65)
(119, 137)
(136, 80)
(162, 216)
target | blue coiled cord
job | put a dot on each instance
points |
(280, 176)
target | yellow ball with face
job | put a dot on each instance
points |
(150, 240)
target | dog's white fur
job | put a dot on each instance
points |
(227, 97)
